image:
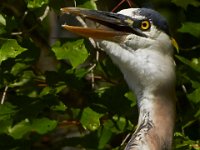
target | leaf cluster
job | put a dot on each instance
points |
(65, 93)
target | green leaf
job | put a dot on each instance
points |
(89, 4)
(24, 79)
(18, 68)
(131, 97)
(194, 96)
(184, 4)
(45, 91)
(74, 51)
(10, 49)
(195, 84)
(60, 107)
(191, 28)
(36, 3)
(2, 24)
(105, 136)
(43, 125)
(122, 123)
(6, 111)
(2, 20)
(90, 119)
(5, 124)
(20, 129)
(60, 87)
(118, 124)
(192, 64)
(80, 72)
(189, 123)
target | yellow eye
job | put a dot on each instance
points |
(145, 25)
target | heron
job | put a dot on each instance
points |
(138, 41)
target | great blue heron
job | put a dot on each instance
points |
(138, 42)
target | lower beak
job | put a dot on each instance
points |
(96, 33)
(117, 25)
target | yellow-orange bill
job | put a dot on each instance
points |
(175, 44)
(96, 33)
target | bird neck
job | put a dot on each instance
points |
(150, 74)
(155, 124)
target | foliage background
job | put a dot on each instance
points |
(55, 92)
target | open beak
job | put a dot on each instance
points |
(118, 25)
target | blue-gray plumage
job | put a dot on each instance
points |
(158, 20)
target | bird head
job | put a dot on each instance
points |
(136, 39)
(142, 22)
(138, 42)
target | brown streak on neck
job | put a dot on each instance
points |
(160, 116)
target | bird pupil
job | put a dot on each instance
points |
(144, 24)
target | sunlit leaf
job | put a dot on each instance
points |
(46, 90)
(36, 3)
(2, 24)
(20, 129)
(10, 49)
(43, 125)
(118, 124)
(80, 73)
(73, 51)
(131, 97)
(90, 4)
(192, 28)
(90, 119)
(105, 136)
(25, 78)
(60, 107)
(122, 123)
(18, 68)
(2, 20)
(182, 142)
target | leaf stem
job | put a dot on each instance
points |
(4, 95)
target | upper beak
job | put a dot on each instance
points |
(119, 25)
